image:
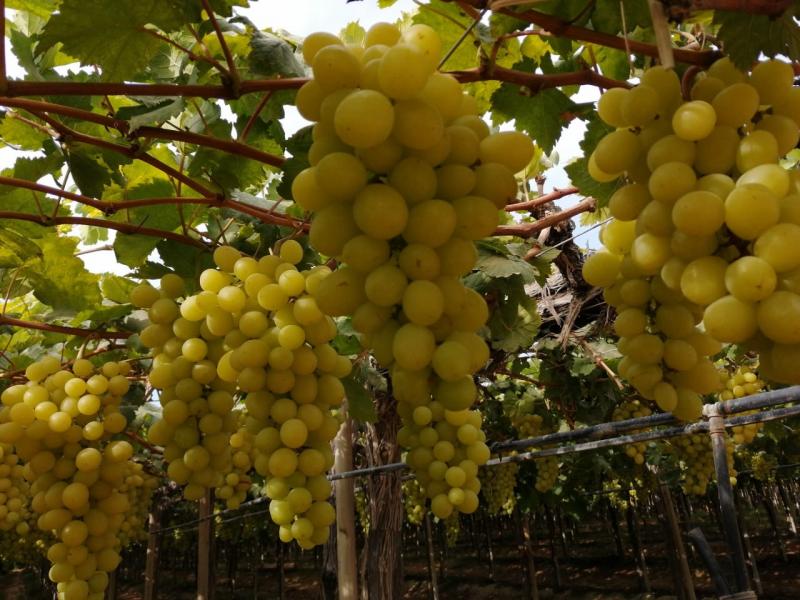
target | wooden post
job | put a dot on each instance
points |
(345, 512)
(153, 547)
(769, 504)
(111, 590)
(488, 544)
(683, 574)
(564, 546)
(615, 530)
(748, 548)
(632, 518)
(205, 540)
(551, 522)
(531, 567)
(432, 580)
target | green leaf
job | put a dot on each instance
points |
(116, 288)
(745, 36)
(186, 262)
(353, 33)
(34, 169)
(494, 265)
(151, 114)
(40, 8)
(386, 3)
(450, 21)
(539, 115)
(359, 402)
(519, 333)
(16, 249)
(133, 250)
(60, 279)
(271, 56)
(607, 17)
(14, 132)
(109, 34)
(90, 176)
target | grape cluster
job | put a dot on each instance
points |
(527, 426)
(632, 409)
(255, 332)
(696, 461)
(498, 483)
(414, 502)
(763, 466)
(404, 177)
(81, 483)
(547, 471)
(706, 227)
(742, 382)
(362, 509)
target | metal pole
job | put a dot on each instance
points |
(704, 550)
(716, 429)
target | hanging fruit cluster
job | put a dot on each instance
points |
(704, 248)
(65, 475)
(404, 177)
(247, 379)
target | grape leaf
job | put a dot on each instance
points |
(386, 3)
(60, 279)
(745, 36)
(109, 34)
(22, 136)
(16, 249)
(116, 288)
(353, 33)
(494, 265)
(271, 56)
(34, 169)
(606, 16)
(540, 115)
(40, 8)
(359, 402)
(151, 114)
(90, 176)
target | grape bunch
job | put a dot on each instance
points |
(59, 426)
(742, 382)
(414, 502)
(632, 409)
(404, 178)
(498, 483)
(527, 426)
(362, 509)
(696, 460)
(547, 471)
(763, 466)
(254, 333)
(706, 227)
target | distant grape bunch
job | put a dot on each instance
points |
(706, 228)
(742, 382)
(66, 481)
(633, 409)
(696, 461)
(248, 380)
(404, 176)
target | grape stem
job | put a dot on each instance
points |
(129, 228)
(541, 200)
(561, 28)
(232, 78)
(89, 333)
(527, 230)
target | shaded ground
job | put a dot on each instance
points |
(592, 571)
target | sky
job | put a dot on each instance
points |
(302, 17)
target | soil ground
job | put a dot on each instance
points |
(591, 571)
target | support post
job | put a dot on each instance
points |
(716, 429)
(748, 548)
(153, 547)
(205, 539)
(632, 518)
(432, 581)
(345, 513)
(684, 575)
(533, 587)
(551, 523)
(490, 549)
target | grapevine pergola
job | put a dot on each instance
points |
(140, 142)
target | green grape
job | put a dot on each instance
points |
(736, 104)
(454, 181)
(758, 148)
(694, 120)
(703, 280)
(417, 124)
(609, 107)
(773, 79)
(335, 67)
(728, 319)
(784, 129)
(640, 105)
(716, 153)
(617, 151)
(380, 211)
(670, 148)
(601, 269)
(778, 246)
(670, 181)
(698, 213)
(364, 119)
(751, 209)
